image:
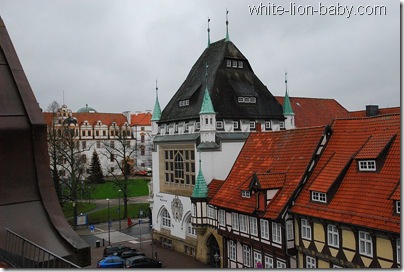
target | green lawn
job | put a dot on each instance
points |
(102, 215)
(136, 187)
(82, 207)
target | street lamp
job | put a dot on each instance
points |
(217, 259)
(109, 226)
(119, 208)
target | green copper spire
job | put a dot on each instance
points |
(207, 106)
(156, 111)
(287, 108)
(227, 26)
(208, 33)
(201, 188)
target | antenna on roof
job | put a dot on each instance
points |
(208, 33)
(227, 26)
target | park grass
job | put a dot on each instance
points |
(102, 215)
(108, 189)
(81, 206)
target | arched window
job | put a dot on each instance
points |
(166, 219)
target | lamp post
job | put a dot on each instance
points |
(140, 226)
(119, 208)
(109, 226)
(217, 259)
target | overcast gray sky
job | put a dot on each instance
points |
(108, 53)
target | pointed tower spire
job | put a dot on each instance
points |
(201, 188)
(207, 106)
(227, 26)
(287, 108)
(208, 33)
(157, 110)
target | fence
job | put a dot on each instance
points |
(25, 254)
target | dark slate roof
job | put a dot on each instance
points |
(225, 85)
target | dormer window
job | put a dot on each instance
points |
(228, 63)
(318, 197)
(184, 103)
(236, 125)
(234, 62)
(267, 125)
(368, 165)
(198, 125)
(247, 99)
(252, 126)
(245, 194)
(282, 125)
(398, 206)
(186, 127)
(219, 124)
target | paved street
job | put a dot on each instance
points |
(137, 236)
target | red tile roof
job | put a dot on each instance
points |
(141, 119)
(382, 111)
(362, 198)
(213, 187)
(285, 155)
(93, 118)
(315, 111)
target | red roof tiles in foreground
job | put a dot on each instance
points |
(381, 111)
(363, 198)
(285, 154)
(315, 111)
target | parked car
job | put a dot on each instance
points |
(130, 253)
(140, 173)
(114, 250)
(142, 262)
(111, 262)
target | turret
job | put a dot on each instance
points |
(207, 116)
(199, 202)
(156, 114)
(287, 109)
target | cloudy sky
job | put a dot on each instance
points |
(109, 53)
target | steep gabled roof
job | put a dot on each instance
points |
(225, 85)
(280, 159)
(314, 111)
(362, 198)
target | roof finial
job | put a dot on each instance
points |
(286, 81)
(227, 26)
(157, 88)
(208, 33)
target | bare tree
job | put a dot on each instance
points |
(53, 139)
(119, 150)
(72, 162)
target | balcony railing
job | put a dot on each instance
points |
(23, 253)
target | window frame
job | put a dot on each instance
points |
(232, 250)
(305, 229)
(253, 226)
(243, 223)
(222, 217)
(311, 262)
(235, 225)
(268, 261)
(332, 235)
(280, 264)
(365, 244)
(165, 219)
(318, 196)
(246, 256)
(276, 233)
(290, 235)
(264, 224)
(367, 165)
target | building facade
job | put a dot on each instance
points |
(348, 213)
(93, 131)
(208, 119)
